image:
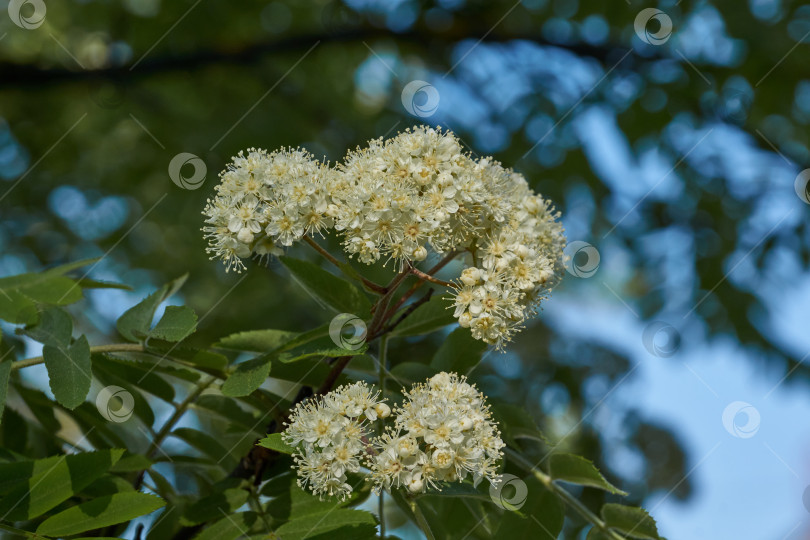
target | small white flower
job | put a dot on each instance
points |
(329, 433)
(397, 199)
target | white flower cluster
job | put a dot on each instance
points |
(442, 433)
(331, 433)
(397, 199)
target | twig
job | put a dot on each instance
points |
(421, 520)
(115, 347)
(375, 287)
(407, 312)
(563, 494)
(382, 359)
(427, 277)
(179, 411)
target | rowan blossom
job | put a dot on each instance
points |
(328, 433)
(399, 200)
(443, 432)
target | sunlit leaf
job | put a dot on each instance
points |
(100, 512)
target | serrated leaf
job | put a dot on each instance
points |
(229, 527)
(88, 283)
(247, 377)
(540, 515)
(630, 520)
(100, 512)
(54, 480)
(228, 409)
(135, 373)
(108, 484)
(581, 471)
(56, 290)
(318, 350)
(459, 352)
(335, 292)
(69, 372)
(199, 358)
(176, 324)
(135, 323)
(274, 442)
(132, 463)
(5, 371)
(516, 423)
(222, 502)
(407, 373)
(356, 524)
(53, 327)
(428, 317)
(257, 340)
(20, 294)
(206, 444)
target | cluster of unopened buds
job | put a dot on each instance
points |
(400, 199)
(442, 432)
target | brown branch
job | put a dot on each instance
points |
(25, 74)
(427, 277)
(407, 312)
(374, 287)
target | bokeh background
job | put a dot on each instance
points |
(674, 353)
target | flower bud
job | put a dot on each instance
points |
(245, 235)
(419, 254)
(382, 410)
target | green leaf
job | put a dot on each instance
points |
(516, 423)
(20, 294)
(351, 523)
(206, 444)
(5, 371)
(581, 471)
(408, 373)
(222, 502)
(630, 520)
(53, 327)
(100, 512)
(273, 442)
(88, 283)
(132, 463)
(257, 340)
(69, 372)
(177, 323)
(460, 352)
(428, 317)
(328, 288)
(135, 323)
(320, 350)
(134, 373)
(230, 410)
(109, 484)
(52, 481)
(247, 377)
(199, 358)
(229, 527)
(540, 516)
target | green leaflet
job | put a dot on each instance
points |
(578, 470)
(335, 292)
(631, 521)
(273, 442)
(69, 372)
(135, 323)
(100, 512)
(430, 316)
(45, 483)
